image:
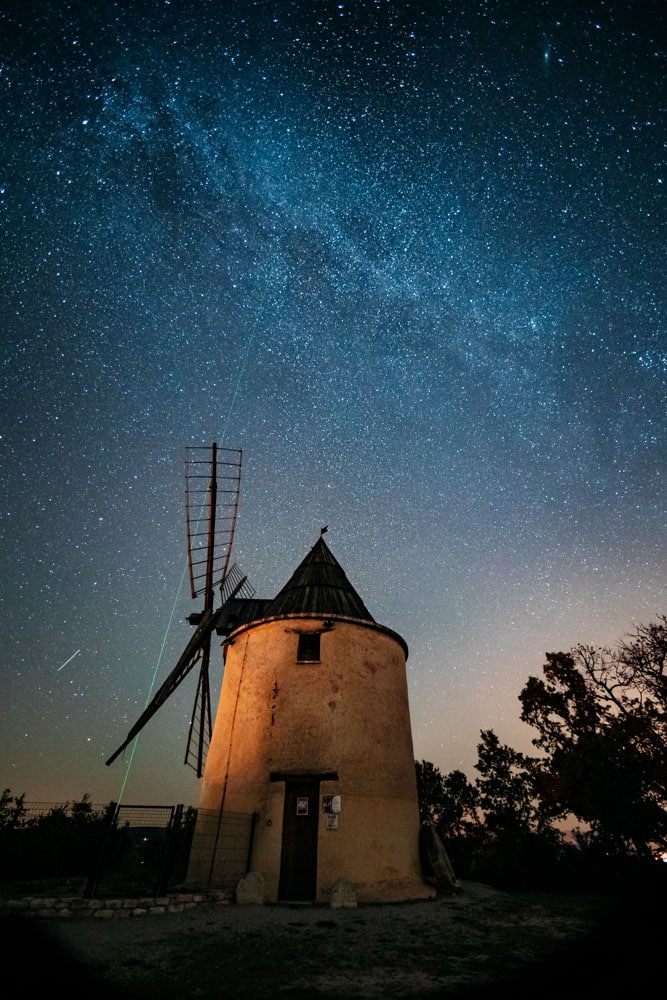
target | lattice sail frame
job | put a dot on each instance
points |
(208, 560)
(212, 487)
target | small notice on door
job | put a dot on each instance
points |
(302, 805)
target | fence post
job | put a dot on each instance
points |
(173, 831)
(105, 838)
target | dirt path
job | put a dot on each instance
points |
(478, 943)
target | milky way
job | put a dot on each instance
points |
(408, 257)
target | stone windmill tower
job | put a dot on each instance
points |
(312, 735)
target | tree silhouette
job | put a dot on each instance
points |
(601, 716)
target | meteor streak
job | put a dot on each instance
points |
(68, 660)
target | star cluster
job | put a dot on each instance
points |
(410, 258)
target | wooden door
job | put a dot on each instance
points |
(298, 860)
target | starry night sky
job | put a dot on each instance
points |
(410, 258)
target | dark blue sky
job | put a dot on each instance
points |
(408, 257)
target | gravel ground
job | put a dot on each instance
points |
(479, 942)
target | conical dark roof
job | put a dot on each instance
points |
(319, 586)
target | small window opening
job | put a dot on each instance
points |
(309, 648)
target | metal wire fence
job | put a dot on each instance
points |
(119, 850)
(221, 849)
(48, 844)
(143, 852)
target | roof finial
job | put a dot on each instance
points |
(322, 530)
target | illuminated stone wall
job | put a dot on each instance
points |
(346, 715)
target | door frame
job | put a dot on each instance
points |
(299, 843)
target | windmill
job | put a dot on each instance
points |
(212, 485)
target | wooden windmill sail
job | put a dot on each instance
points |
(212, 486)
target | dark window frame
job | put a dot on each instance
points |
(308, 648)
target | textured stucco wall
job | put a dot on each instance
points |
(347, 714)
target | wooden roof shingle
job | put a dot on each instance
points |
(319, 586)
